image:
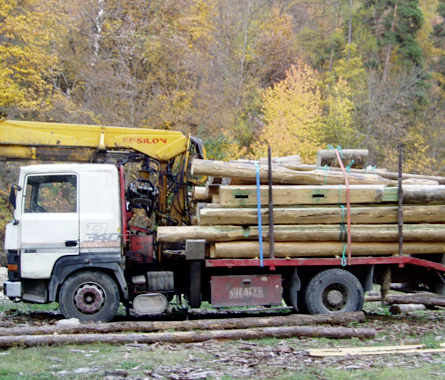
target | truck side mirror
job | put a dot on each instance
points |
(12, 197)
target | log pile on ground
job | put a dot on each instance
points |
(310, 212)
(189, 331)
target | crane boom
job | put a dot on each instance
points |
(23, 140)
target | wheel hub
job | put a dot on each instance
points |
(89, 298)
(334, 297)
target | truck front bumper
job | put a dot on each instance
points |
(12, 289)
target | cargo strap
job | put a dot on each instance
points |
(260, 221)
(348, 204)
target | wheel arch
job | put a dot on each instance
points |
(69, 265)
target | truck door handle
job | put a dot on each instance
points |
(70, 243)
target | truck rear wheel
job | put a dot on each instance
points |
(90, 296)
(334, 291)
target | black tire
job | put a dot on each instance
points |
(90, 296)
(334, 291)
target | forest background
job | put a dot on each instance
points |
(239, 74)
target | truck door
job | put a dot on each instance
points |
(49, 226)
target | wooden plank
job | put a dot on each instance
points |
(318, 232)
(377, 350)
(233, 196)
(322, 215)
(250, 249)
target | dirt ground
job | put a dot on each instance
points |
(263, 359)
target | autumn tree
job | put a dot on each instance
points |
(28, 62)
(292, 115)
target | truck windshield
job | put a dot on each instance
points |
(51, 193)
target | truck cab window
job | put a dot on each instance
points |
(51, 193)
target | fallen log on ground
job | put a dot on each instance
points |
(189, 336)
(406, 308)
(427, 301)
(203, 324)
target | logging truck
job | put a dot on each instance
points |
(325, 239)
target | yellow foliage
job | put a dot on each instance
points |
(339, 118)
(27, 62)
(292, 115)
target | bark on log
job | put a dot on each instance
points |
(189, 337)
(406, 308)
(329, 157)
(413, 194)
(250, 249)
(282, 175)
(321, 215)
(427, 301)
(209, 324)
(301, 233)
(380, 172)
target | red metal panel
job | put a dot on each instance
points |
(249, 290)
(230, 263)
(142, 248)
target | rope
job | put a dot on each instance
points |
(260, 222)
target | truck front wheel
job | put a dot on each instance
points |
(334, 291)
(90, 296)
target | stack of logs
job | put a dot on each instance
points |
(310, 210)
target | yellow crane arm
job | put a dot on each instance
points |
(22, 140)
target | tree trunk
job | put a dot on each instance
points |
(328, 157)
(250, 249)
(209, 324)
(389, 47)
(282, 175)
(189, 337)
(317, 232)
(321, 215)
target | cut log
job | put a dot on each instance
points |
(406, 308)
(282, 175)
(380, 172)
(427, 301)
(355, 158)
(321, 215)
(190, 336)
(420, 182)
(318, 232)
(209, 324)
(413, 194)
(250, 249)
(287, 160)
(201, 194)
(234, 196)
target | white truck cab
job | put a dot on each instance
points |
(66, 215)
